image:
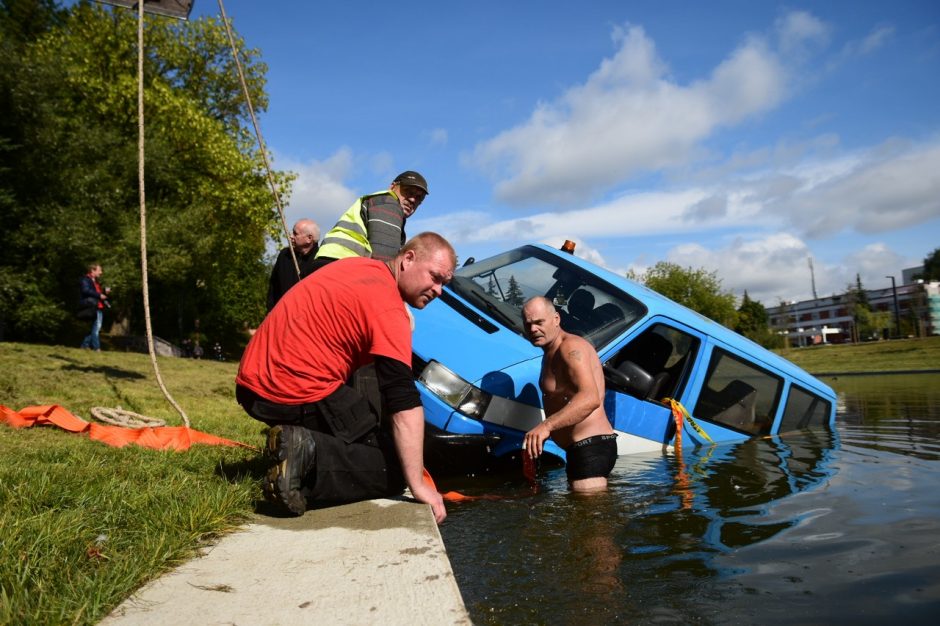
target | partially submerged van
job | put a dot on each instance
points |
(478, 374)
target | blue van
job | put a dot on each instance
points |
(478, 374)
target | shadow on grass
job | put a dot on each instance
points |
(238, 471)
(113, 372)
(110, 372)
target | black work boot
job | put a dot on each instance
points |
(292, 449)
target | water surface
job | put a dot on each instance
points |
(809, 528)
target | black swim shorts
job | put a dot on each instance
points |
(593, 457)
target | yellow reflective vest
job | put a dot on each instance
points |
(374, 226)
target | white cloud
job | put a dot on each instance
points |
(886, 188)
(438, 137)
(873, 264)
(776, 267)
(318, 191)
(627, 118)
(798, 31)
(628, 215)
(769, 267)
(876, 39)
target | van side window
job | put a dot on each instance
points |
(804, 410)
(738, 394)
(663, 352)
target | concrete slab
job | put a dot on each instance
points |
(379, 561)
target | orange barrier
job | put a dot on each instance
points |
(160, 438)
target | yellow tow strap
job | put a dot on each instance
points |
(683, 486)
(682, 416)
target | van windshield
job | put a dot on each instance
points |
(588, 306)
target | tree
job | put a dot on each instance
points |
(752, 323)
(697, 289)
(752, 316)
(491, 287)
(871, 324)
(68, 145)
(514, 294)
(857, 300)
(931, 269)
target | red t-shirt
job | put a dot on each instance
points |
(326, 327)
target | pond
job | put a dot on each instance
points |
(812, 527)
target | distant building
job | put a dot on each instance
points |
(907, 276)
(829, 320)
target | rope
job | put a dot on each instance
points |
(254, 122)
(126, 419)
(143, 210)
(143, 203)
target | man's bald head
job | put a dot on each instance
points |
(305, 235)
(541, 321)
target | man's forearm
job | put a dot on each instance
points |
(408, 430)
(577, 410)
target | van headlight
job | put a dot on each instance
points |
(454, 390)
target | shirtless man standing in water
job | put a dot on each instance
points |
(572, 383)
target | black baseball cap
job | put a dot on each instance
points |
(412, 178)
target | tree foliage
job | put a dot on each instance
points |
(752, 316)
(69, 172)
(869, 324)
(931, 266)
(514, 294)
(752, 323)
(697, 289)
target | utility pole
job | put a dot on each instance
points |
(897, 309)
(812, 275)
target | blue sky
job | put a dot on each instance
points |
(742, 137)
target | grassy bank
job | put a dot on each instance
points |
(875, 356)
(83, 524)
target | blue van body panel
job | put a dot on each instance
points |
(444, 335)
(502, 363)
(642, 419)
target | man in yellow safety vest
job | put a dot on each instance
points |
(374, 226)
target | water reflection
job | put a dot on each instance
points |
(557, 556)
(758, 531)
(897, 413)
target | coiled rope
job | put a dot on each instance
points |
(124, 418)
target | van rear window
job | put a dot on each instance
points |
(738, 394)
(804, 410)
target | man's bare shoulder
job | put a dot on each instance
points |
(572, 345)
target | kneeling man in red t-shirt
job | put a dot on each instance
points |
(328, 443)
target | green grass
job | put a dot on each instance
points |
(876, 356)
(82, 524)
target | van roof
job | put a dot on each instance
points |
(660, 305)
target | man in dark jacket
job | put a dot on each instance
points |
(93, 298)
(304, 239)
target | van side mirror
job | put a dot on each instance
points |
(628, 377)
